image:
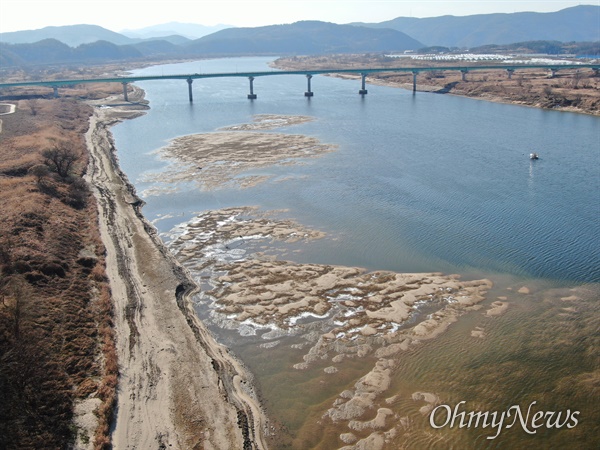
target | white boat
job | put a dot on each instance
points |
(533, 156)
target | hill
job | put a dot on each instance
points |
(72, 35)
(91, 44)
(579, 23)
(305, 37)
(52, 51)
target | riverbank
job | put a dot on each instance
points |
(568, 90)
(177, 387)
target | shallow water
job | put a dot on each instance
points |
(419, 183)
(425, 182)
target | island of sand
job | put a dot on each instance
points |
(220, 159)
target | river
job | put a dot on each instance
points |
(417, 183)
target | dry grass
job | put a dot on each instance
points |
(575, 90)
(56, 336)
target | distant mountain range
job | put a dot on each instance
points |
(72, 35)
(306, 37)
(190, 31)
(51, 51)
(91, 43)
(310, 37)
(576, 24)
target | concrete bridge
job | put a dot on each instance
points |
(251, 76)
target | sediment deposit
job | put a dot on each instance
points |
(237, 255)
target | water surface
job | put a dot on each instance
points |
(419, 182)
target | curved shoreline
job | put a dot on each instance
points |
(178, 387)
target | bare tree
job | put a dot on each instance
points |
(15, 296)
(39, 171)
(33, 104)
(61, 157)
(576, 79)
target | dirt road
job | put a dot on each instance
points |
(178, 388)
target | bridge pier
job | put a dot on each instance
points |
(363, 89)
(510, 73)
(464, 74)
(55, 89)
(125, 92)
(190, 94)
(251, 95)
(552, 72)
(415, 73)
(308, 93)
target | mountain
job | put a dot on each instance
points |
(579, 24)
(158, 48)
(72, 35)
(305, 37)
(92, 44)
(189, 30)
(309, 37)
(52, 51)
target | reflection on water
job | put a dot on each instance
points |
(530, 180)
(419, 183)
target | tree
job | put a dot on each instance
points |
(33, 106)
(16, 295)
(78, 193)
(39, 171)
(61, 157)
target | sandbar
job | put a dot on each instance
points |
(223, 159)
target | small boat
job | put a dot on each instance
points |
(534, 156)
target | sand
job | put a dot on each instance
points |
(177, 388)
(223, 159)
(497, 308)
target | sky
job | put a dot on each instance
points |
(118, 15)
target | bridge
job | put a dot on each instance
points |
(363, 72)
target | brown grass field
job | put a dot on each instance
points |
(56, 335)
(569, 90)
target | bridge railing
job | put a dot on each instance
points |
(363, 72)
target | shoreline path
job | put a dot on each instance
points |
(178, 388)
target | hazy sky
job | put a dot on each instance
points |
(117, 15)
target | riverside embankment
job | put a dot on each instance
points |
(178, 388)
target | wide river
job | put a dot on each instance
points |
(418, 183)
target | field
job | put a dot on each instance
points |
(569, 90)
(58, 367)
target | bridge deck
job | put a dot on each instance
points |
(194, 76)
